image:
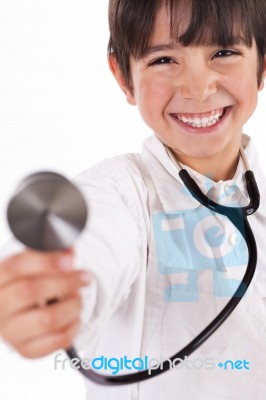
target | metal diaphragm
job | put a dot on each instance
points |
(47, 212)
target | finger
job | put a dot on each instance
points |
(38, 322)
(49, 343)
(31, 262)
(25, 294)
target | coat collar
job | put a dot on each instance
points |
(174, 195)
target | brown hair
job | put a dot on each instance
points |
(218, 22)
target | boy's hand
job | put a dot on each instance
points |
(30, 280)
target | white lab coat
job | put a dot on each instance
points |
(135, 305)
(158, 283)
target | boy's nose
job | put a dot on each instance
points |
(198, 83)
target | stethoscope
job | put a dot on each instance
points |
(47, 213)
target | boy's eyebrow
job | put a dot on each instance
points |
(159, 47)
(171, 46)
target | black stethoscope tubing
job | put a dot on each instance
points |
(238, 217)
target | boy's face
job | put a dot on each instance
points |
(175, 87)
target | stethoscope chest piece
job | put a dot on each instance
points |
(47, 212)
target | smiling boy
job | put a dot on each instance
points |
(163, 266)
(216, 74)
(194, 70)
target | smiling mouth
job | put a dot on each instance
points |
(202, 120)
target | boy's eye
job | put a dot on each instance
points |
(162, 60)
(225, 53)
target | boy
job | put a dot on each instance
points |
(160, 272)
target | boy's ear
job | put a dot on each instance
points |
(263, 76)
(120, 79)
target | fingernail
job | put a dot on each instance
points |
(65, 263)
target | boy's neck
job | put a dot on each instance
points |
(221, 167)
(215, 171)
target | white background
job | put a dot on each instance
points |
(60, 109)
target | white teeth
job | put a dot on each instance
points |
(213, 118)
(210, 123)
